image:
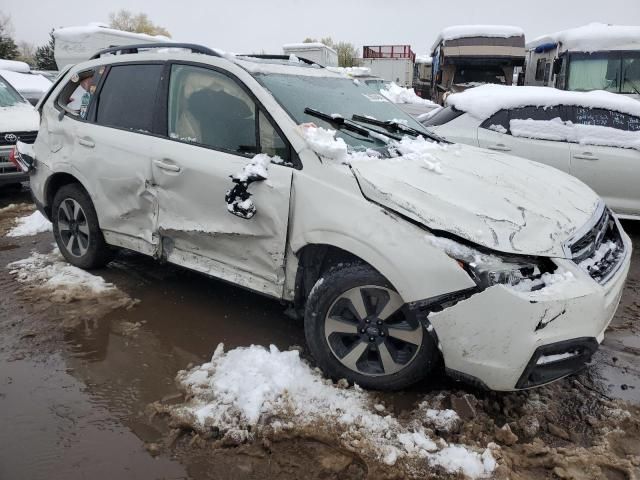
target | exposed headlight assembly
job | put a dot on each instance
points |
(487, 269)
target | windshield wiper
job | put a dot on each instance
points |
(396, 127)
(346, 124)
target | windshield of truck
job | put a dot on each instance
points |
(8, 95)
(335, 96)
(617, 72)
(472, 76)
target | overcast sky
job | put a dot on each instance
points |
(255, 25)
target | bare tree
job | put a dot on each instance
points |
(26, 53)
(347, 54)
(138, 23)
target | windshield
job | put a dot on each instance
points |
(8, 96)
(617, 72)
(334, 95)
(474, 75)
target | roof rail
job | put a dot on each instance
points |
(267, 56)
(127, 49)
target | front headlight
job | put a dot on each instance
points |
(493, 269)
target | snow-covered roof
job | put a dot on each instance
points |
(482, 102)
(352, 71)
(593, 37)
(78, 34)
(26, 82)
(426, 59)
(258, 65)
(466, 31)
(306, 46)
(14, 66)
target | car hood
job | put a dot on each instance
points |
(19, 118)
(501, 202)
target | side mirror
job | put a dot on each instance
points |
(238, 199)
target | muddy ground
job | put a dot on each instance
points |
(82, 380)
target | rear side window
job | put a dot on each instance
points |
(443, 116)
(77, 95)
(537, 113)
(498, 122)
(128, 97)
(606, 118)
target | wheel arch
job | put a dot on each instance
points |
(54, 183)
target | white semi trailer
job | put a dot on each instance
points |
(393, 63)
(316, 52)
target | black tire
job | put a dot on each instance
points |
(326, 347)
(95, 253)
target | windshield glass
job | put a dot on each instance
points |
(8, 96)
(617, 72)
(472, 75)
(333, 95)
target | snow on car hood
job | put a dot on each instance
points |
(501, 202)
(19, 118)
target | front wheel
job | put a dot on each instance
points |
(358, 327)
(76, 228)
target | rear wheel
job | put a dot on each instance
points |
(76, 229)
(358, 327)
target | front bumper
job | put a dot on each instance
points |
(9, 174)
(498, 336)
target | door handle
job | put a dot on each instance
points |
(166, 166)
(500, 147)
(86, 142)
(585, 156)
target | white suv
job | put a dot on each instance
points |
(277, 175)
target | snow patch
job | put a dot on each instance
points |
(465, 31)
(566, 131)
(397, 94)
(30, 225)
(247, 390)
(482, 102)
(323, 141)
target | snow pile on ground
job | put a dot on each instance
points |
(30, 225)
(50, 274)
(560, 131)
(592, 37)
(484, 101)
(251, 390)
(397, 94)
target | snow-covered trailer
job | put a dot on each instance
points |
(593, 57)
(393, 63)
(77, 44)
(316, 52)
(466, 56)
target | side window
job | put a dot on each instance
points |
(77, 95)
(538, 113)
(128, 96)
(271, 142)
(540, 123)
(209, 108)
(498, 122)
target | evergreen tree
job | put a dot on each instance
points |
(8, 48)
(44, 55)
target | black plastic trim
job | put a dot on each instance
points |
(132, 49)
(535, 375)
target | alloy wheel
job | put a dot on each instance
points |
(369, 331)
(73, 227)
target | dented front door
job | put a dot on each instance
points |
(198, 231)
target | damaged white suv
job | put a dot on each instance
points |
(277, 175)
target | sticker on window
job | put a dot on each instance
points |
(375, 97)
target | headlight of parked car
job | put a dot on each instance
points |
(487, 269)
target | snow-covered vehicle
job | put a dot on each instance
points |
(593, 57)
(466, 56)
(31, 85)
(296, 182)
(594, 136)
(18, 120)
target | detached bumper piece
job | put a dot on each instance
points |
(557, 360)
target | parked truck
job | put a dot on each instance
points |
(392, 63)
(314, 51)
(77, 44)
(466, 56)
(592, 57)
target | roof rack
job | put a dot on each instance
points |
(127, 49)
(263, 56)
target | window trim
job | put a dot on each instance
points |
(163, 114)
